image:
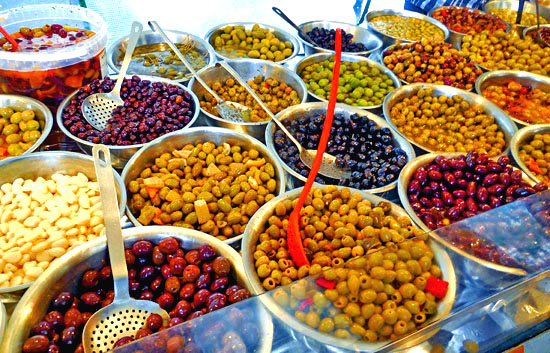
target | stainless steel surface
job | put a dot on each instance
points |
(98, 108)
(252, 233)
(177, 140)
(527, 30)
(150, 37)
(360, 35)
(247, 69)
(405, 177)
(514, 5)
(316, 58)
(121, 154)
(277, 32)
(44, 164)
(389, 40)
(522, 137)
(42, 114)
(65, 274)
(3, 320)
(308, 109)
(504, 76)
(501, 118)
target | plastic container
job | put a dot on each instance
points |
(51, 75)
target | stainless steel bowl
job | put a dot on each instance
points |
(247, 69)
(504, 76)
(3, 320)
(389, 40)
(403, 183)
(277, 32)
(514, 5)
(528, 30)
(252, 233)
(455, 38)
(501, 118)
(316, 58)
(360, 35)
(42, 113)
(522, 137)
(177, 140)
(150, 37)
(65, 273)
(44, 164)
(309, 109)
(121, 154)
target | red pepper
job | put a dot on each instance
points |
(303, 305)
(325, 283)
(534, 166)
(437, 287)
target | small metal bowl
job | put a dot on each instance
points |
(505, 76)
(528, 30)
(514, 5)
(403, 183)
(252, 233)
(42, 114)
(150, 37)
(316, 58)
(65, 273)
(44, 164)
(247, 69)
(522, 137)
(501, 118)
(121, 154)
(360, 35)
(177, 140)
(389, 40)
(307, 109)
(277, 32)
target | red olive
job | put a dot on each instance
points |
(177, 264)
(188, 290)
(168, 245)
(36, 344)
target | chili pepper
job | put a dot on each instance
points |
(437, 287)
(325, 283)
(304, 304)
(156, 218)
(151, 191)
(534, 166)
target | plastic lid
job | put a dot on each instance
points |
(65, 15)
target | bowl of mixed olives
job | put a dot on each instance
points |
(531, 151)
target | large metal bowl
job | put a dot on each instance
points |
(514, 5)
(44, 164)
(360, 35)
(258, 221)
(309, 109)
(505, 76)
(150, 37)
(316, 58)
(501, 118)
(247, 69)
(177, 140)
(277, 32)
(42, 113)
(389, 40)
(121, 154)
(65, 273)
(403, 183)
(522, 137)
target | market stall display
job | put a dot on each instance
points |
(531, 151)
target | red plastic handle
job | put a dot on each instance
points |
(14, 44)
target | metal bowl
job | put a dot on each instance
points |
(42, 113)
(3, 320)
(522, 137)
(405, 177)
(527, 30)
(65, 273)
(247, 69)
(504, 76)
(252, 233)
(360, 35)
(121, 154)
(514, 5)
(177, 140)
(308, 109)
(501, 118)
(316, 58)
(150, 37)
(455, 38)
(44, 164)
(389, 40)
(279, 34)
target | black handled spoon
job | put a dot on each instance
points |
(301, 32)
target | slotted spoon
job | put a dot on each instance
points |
(98, 108)
(228, 110)
(125, 315)
(328, 166)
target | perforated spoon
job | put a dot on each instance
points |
(98, 108)
(125, 315)
(328, 166)
(228, 110)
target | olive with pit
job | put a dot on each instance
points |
(19, 130)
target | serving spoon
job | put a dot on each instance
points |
(301, 32)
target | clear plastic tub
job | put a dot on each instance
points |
(51, 75)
